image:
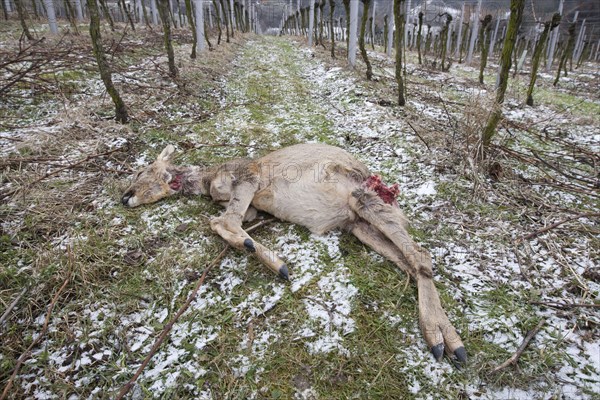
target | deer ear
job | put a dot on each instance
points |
(166, 153)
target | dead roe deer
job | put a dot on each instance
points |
(317, 186)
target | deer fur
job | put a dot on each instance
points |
(317, 186)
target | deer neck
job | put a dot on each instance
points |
(194, 180)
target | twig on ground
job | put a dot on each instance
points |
(70, 166)
(381, 369)
(556, 224)
(450, 121)
(249, 146)
(561, 172)
(566, 187)
(515, 357)
(557, 253)
(250, 336)
(27, 160)
(11, 306)
(474, 174)
(11, 139)
(167, 328)
(38, 339)
(565, 306)
(418, 135)
(586, 186)
(259, 224)
(329, 310)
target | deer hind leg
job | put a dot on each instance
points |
(229, 227)
(384, 230)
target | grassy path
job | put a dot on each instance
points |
(269, 102)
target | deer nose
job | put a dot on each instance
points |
(126, 197)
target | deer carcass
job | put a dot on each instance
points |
(315, 185)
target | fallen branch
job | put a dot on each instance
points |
(556, 224)
(38, 339)
(515, 357)
(167, 328)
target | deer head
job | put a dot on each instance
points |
(154, 182)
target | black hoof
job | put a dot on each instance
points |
(284, 273)
(249, 245)
(461, 354)
(438, 351)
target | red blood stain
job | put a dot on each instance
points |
(387, 193)
(175, 184)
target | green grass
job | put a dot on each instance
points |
(568, 102)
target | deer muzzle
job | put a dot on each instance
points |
(125, 199)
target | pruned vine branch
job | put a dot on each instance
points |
(556, 224)
(59, 170)
(517, 354)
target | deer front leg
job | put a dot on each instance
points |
(250, 215)
(384, 231)
(229, 227)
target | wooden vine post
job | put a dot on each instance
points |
(484, 39)
(361, 38)
(399, 24)
(514, 22)
(537, 54)
(121, 114)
